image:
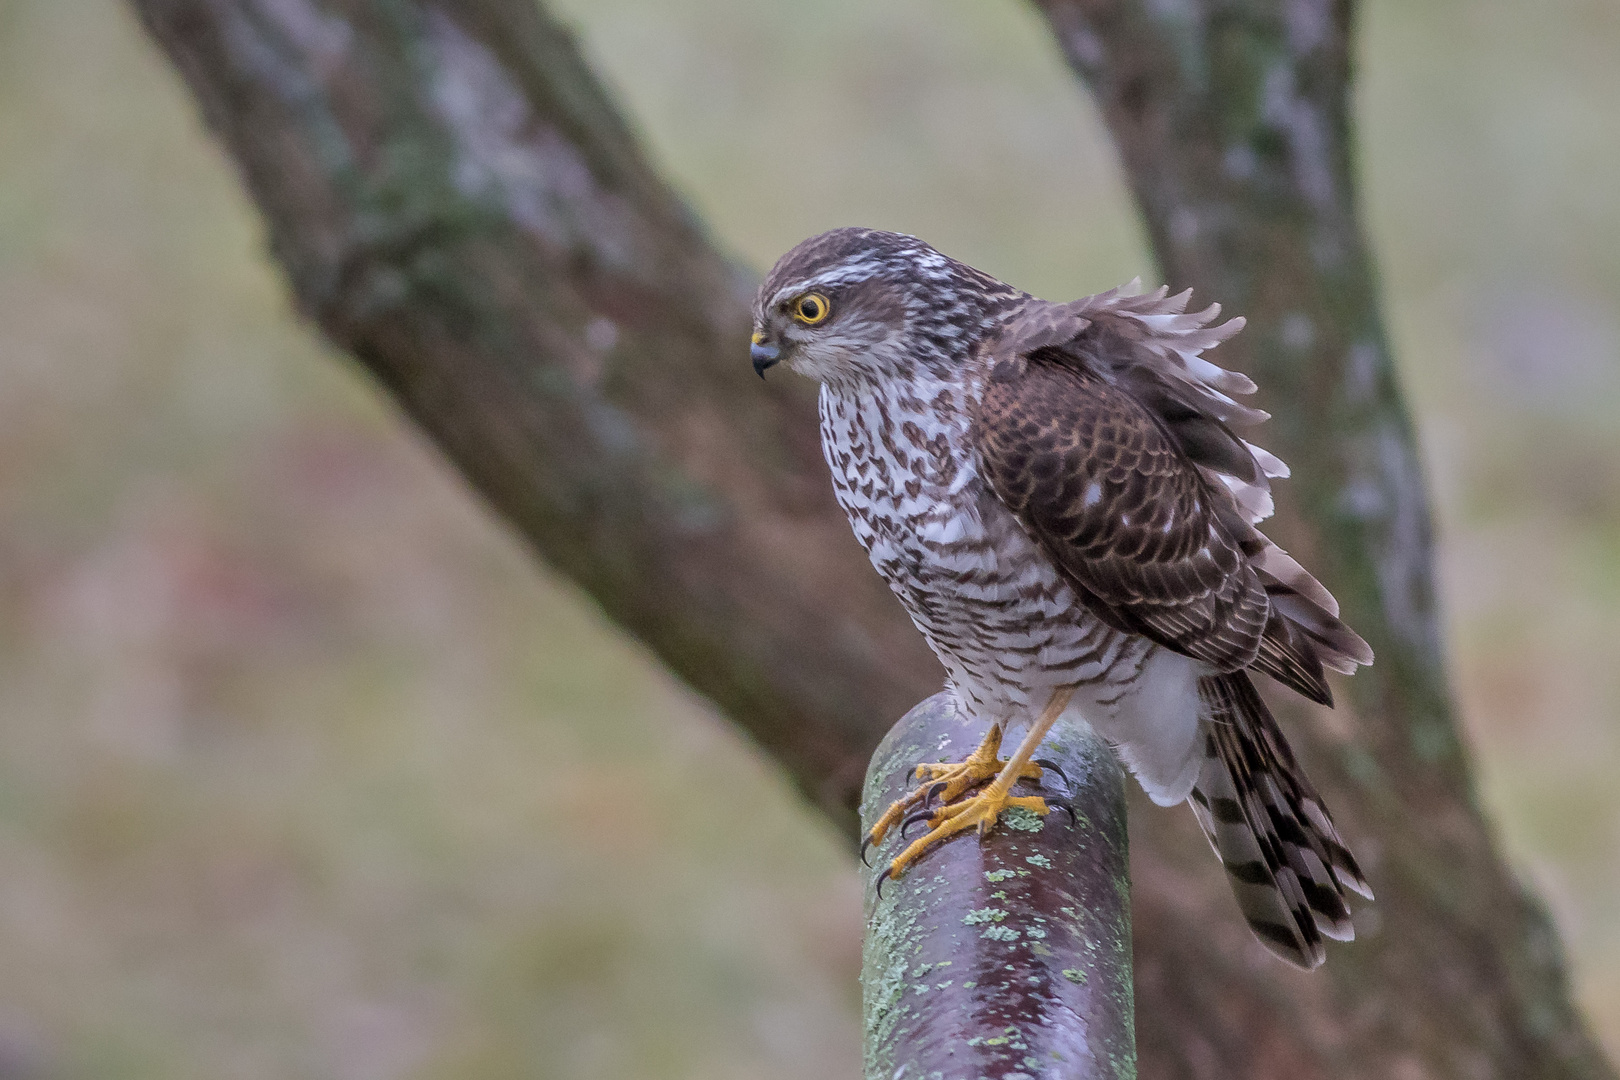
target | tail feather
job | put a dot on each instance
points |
(1304, 633)
(1287, 864)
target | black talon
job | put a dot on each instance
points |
(887, 873)
(866, 843)
(1063, 804)
(921, 815)
(1046, 764)
(934, 789)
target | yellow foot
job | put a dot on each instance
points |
(982, 810)
(947, 781)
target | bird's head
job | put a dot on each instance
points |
(856, 305)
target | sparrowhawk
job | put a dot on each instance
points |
(1058, 496)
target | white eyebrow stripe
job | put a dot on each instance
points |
(856, 268)
(783, 293)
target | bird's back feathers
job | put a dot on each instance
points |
(1104, 408)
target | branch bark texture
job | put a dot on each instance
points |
(459, 206)
(1010, 955)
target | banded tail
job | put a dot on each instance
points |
(1287, 865)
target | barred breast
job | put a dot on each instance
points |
(993, 607)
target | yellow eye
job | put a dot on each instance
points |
(811, 308)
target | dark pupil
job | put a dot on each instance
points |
(810, 309)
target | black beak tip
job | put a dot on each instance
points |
(764, 356)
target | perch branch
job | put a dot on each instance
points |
(1008, 955)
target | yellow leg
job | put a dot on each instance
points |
(984, 808)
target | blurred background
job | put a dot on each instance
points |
(298, 744)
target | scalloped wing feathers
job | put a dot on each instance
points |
(1109, 435)
(1114, 503)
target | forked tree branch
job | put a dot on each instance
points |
(458, 205)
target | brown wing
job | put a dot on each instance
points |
(1098, 480)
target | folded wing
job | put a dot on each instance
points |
(1110, 437)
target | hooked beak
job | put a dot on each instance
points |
(763, 354)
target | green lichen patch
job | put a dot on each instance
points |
(1039, 860)
(1016, 817)
(1075, 975)
(999, 875)
(984, 915)
(999, 933)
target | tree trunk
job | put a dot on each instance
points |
(1233, 122)
(459, 206)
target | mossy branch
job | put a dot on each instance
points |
(1008, 955)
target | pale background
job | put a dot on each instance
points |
(300, 754)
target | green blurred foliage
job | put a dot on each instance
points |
(305, 768)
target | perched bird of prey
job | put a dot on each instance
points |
(1057, 495)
